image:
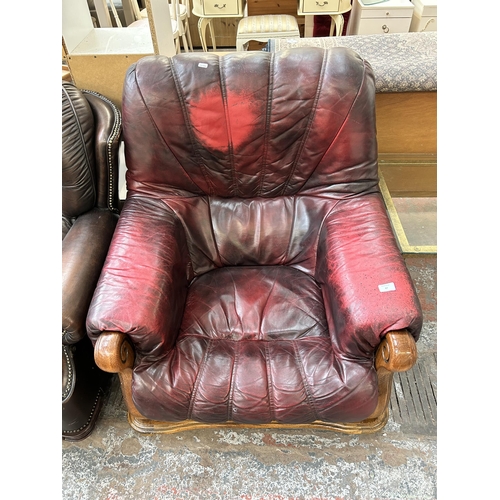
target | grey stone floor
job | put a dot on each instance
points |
(400, 462)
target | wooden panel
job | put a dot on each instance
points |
(407, 122)
(102, 73)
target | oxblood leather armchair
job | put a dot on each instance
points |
(253, 277)
(91, 128)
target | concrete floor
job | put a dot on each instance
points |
(400, 462)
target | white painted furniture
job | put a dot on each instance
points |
(180, 11)
(206, 10)
(391, 16)
(424, 15)
(333, 8)
(262, 28)
(98, 58)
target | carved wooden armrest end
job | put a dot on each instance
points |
(397, 352)
(113, 352)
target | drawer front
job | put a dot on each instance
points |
(388, 13)
(221, 7)
(426, 23)
(378, 26)
(318, 6)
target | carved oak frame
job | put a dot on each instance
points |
(397, 352)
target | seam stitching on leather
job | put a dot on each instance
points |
(345, 118)
(198, 379)
(228, 128)
(158, 130)
(77, 119)
(300, 365)
(231, 389)
(267, 130)
(189, 127)
(113, 138)
(318, 235)
(292, 229)
(270, 391)
(213, 232)
(69, 383)
(308, 127)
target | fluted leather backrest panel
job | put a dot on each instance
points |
(78, 155)
(252, 124)
(260, 231)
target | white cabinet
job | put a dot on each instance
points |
(424, 15)
(391, 16)
(218, 8)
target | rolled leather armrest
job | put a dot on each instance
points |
(367, 288)
(83, 253)
(143, 286)
(107, 122)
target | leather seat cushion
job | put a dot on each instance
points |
(254, 347)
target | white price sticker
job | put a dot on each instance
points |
(387, 287)
(202, 65)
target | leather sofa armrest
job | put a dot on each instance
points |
(83, 253)
(107, 122)
(367, 288)
(143, 286)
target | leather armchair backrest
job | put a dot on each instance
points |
(253, 124)
(251, 150)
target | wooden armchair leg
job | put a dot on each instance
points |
(396, 353)
(114, 353)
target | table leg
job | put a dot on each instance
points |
(212, 34)
(202, 27)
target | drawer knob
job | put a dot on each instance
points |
(220, 7)
(385, 28)
(321, 4)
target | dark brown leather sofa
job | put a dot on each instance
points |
(253, 278)
(91, 130)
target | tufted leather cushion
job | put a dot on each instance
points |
(247, 260)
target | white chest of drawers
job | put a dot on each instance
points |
(424, 15)
(392, 16)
